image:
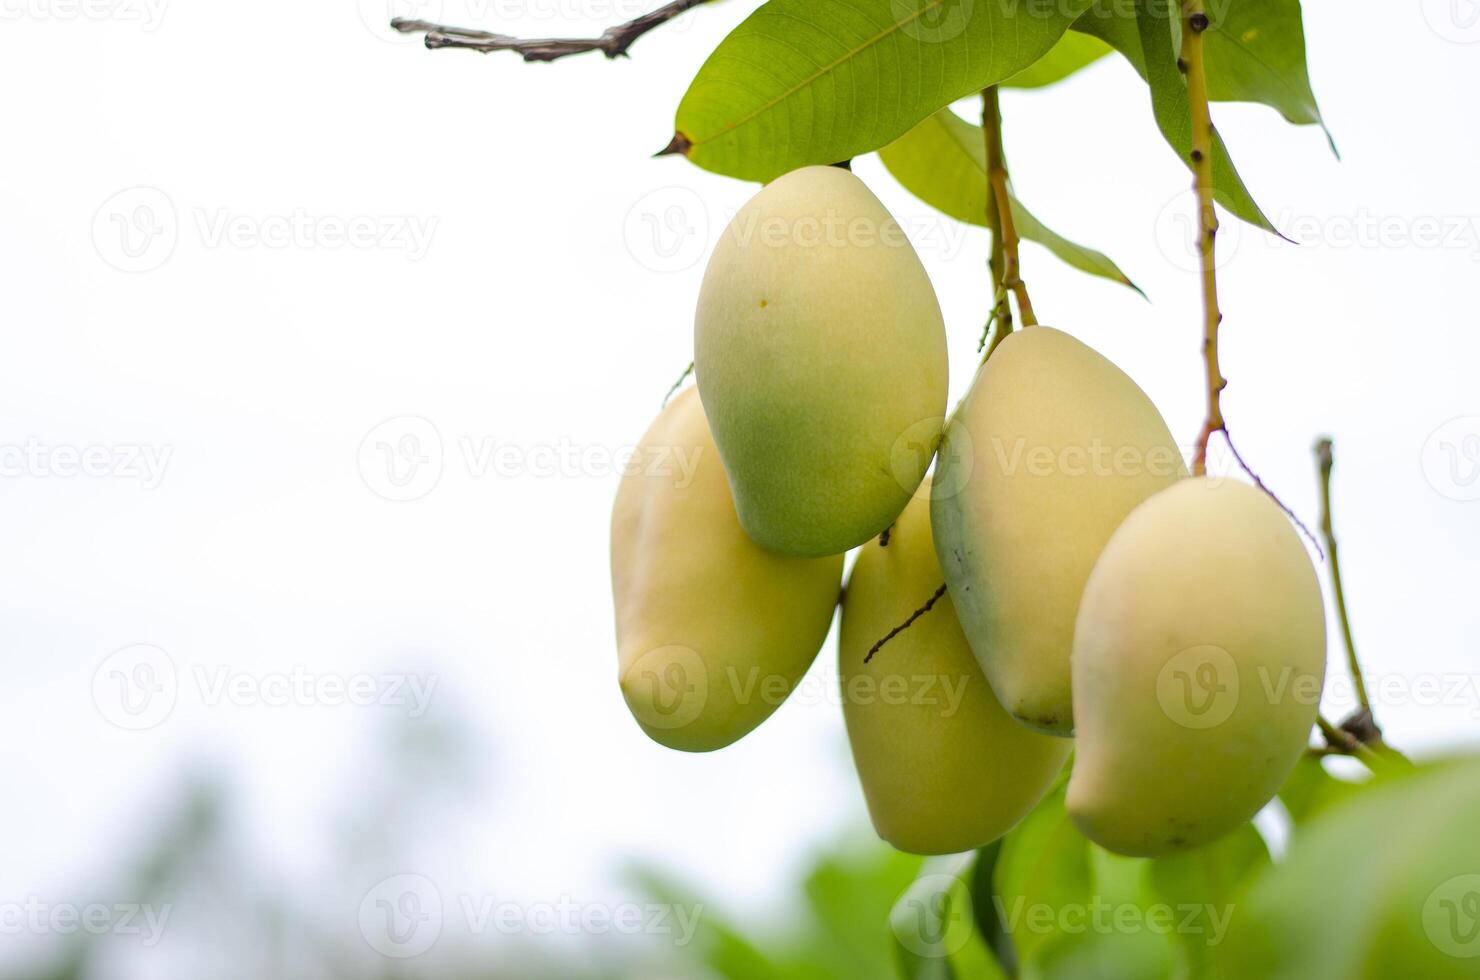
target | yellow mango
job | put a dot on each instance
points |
(820, 354)
(1051, 449)
(1199, 655)
(712, 631)
(943, 767)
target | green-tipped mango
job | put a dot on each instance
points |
(1199, 655)
(943, 767)
(1051, 449)
(712, 631)
(820, 353)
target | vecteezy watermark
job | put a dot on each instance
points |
(1450, 690)
(138, 229)
(402, 459)
(133, 919)
(1456, 21)
(667, 687)
(1096, 458)
(377, 15)
(305, 688)
(1099, 917)
(933, 919)
(1368, 230)
(671, 229)
(1176, 232)
(667, 230)
(1201, 686)
(148, 14)
(135, 688)
(38, 460)
(404, 915)
(1451, 917)
(1451, 458)
(138, 687)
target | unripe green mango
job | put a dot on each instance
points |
(943, 767)
(1199, 656)
(1052, 447)
(820, 353)
(712, 630)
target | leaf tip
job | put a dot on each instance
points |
(679, 145)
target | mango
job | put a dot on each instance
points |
(943, 767)
(820, 354)
(1199, 657)
(1052, 447)
(713, 631)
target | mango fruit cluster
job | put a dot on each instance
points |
(1065, 583)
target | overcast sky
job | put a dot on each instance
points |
(245, 247)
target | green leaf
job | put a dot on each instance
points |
(1383, 884)
(943, 162)
(1255, 52)
(806, 82)
(1072, 52)
(1044, 866)
(935, 928)
(1202, 889)
(1310, 790)
(1147, 44)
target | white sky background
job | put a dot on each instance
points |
(532, 321)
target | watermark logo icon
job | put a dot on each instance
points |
(1456, 21)
(667, 687)
(911, 452)
(136, 687)
(136, 230)
(934, 917)
(1176, 232)
(1451, 458)
(1198, 688)
(667, 230)
(401, 458)
(932, 21)
(377, 15)
(401, 916)
(1451, 917)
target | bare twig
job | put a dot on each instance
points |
(1005, 267)
(1294, 518)
(1325, 460)
(613, 42)
(907, 623)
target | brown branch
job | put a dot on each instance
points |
(613, 42)
(1007, 271)
(907, 623)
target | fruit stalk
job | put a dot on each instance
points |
(1194, 23)
(1324, 462)
(1006, 272)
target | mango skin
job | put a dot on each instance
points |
(943, 767)
(1199, 657)
(1052, 447)
(820, 354)
(713, 632)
